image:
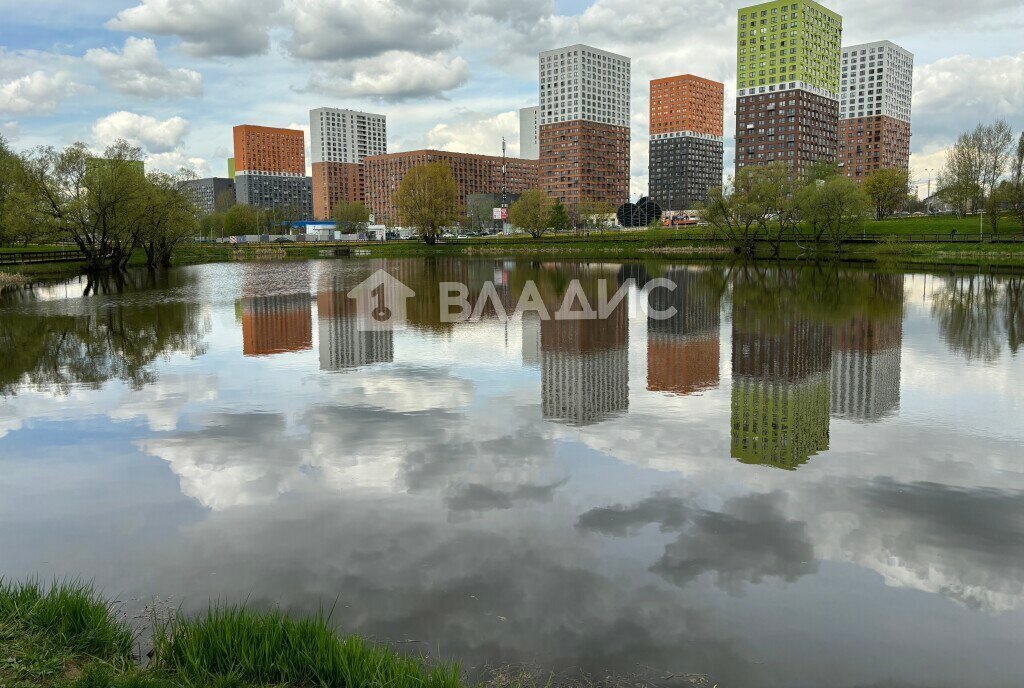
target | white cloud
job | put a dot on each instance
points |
(36, 93)
(392, 76)
(350, 29)
(955, 93)
(156, 136)
(477, 134)
(174, 160)
(137, 71)
(206, 27)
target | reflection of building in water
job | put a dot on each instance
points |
(275, 324)
(585, 368)
(780, 390)
(683, 351)
(343, 344)
(866, 367)
(531, 338)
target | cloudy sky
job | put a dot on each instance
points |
(175, 75)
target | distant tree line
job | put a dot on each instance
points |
(103, 204)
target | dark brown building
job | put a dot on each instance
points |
(868, 144)
(584, 161)
(473, 174)
(794, 126)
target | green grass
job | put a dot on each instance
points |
(47, 633)
(66, 636)
(243, 647)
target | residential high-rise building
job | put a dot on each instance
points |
(339, 140)
(874, 108)
(529, 133)
(270, 169)
(685, 149)
(787, 84)
(474, 174)
(584, 125)
(210, 194)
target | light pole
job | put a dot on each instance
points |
(981, 224)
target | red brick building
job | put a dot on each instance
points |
(333, 183)
(473, 174)
(686, 103)
(868, 144)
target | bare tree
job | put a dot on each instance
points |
(734, 211)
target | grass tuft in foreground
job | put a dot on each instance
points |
(234, 646)
(47, 633)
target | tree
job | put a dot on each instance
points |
(734, 211)
(479, 212)
(167, 218)
(595, 213)
(351, 216)
(1015, 200)
(773, 196)
(90, 201)
(241, 219)
(428, 198)
(974, 166)
(559, 219)
(887, 188)
(532, 212)
(832, 209)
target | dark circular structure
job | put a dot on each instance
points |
(639, 214)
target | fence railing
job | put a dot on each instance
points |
(23, 257)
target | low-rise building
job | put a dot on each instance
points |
(473, 174)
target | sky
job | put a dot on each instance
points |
(173, 76)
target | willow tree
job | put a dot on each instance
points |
(428, 199)
(532, 212)
(90, 201)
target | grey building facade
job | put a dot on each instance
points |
(682, 168)
(275, 191)
(210, 194)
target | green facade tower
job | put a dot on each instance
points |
(787, 83)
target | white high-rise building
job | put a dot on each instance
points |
(346, 135)
(529, 133)
(579, 82)
(877, 79)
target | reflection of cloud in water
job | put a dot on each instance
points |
(528, 590)
(749, 540)
(966, 544)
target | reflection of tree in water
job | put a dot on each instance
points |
(978, 313)
(106, 336)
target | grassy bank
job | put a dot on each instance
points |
(66, 635)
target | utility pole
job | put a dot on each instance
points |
(504, 183)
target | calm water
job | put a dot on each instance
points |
(805, 478)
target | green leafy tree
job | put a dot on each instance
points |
(351, 216)
(532, 212)
(735, 212)
(1015, 194)
(166, 218)
(832, 209)
(428, 199)
(241, 219)
(559, 219)
(92, 202)
(887, 189)
(773, 196)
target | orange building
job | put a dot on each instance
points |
(269, 150)
(687, 103)
(473, 174)
(334, 183)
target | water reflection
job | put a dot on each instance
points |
(58, 345)
(683, 351)
(499, 490)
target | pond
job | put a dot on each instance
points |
(800, 477)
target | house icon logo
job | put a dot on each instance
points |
(380, 302)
